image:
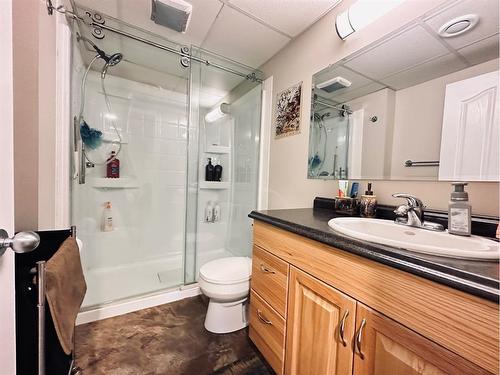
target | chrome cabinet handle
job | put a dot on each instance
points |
(262, 318)
(265, 269)
(342, 328)
(359, 337)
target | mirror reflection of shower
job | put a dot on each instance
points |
(328, 140)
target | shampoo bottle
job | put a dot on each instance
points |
(209, 171)
(459, 211)
(113, 166)
(107, 218)
(217, 171)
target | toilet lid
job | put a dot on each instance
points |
(227, 270)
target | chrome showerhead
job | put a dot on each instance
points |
(111, 60)
(114, 59)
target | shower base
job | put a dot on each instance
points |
(113, 291)
(112, 284)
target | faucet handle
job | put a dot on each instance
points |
(402, 210)
(413, 201)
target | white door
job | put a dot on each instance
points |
(469, 139)
(7, 293)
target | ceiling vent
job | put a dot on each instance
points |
(174, 14)
(334, 84)
(458, 26)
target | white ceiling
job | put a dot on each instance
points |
(247, 31)
(417, 53)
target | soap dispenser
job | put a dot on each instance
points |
(368, 203)
(459, 211)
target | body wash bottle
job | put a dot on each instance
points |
(217, 171)
(217, 212)
(459, 211)
(209, 212)
(107, 218)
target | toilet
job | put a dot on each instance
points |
(226, 282)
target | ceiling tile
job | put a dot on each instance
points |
(479, 52)
(425, 72)
(243, 39)
(289, 16)
(405, 50)
(362, 91)
(487, 10)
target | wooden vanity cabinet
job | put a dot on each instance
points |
(382, 347)
(320, 327)
(314, 311)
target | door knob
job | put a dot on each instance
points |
(22, 242)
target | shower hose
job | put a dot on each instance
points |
(108, 106)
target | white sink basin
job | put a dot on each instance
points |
(386, 232)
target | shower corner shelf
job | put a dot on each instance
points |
(115, 183)
(214, 185)
(218, 149)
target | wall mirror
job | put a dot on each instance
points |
(420, 104)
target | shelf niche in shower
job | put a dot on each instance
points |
(216, 185)
(115, 183)
(213, 149)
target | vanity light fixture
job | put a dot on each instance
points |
(217, 113)
(459, 25)
(361, 14)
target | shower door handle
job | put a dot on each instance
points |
(22, 242)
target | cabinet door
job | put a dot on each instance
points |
(383, 346)
(320, 328)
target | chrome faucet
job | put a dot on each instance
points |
(412, 213)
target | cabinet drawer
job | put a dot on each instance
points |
(270, 279)
(267, 331)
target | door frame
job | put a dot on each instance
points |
(7, 277)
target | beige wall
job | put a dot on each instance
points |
(315, 49)
(25, 57)
(34, 114)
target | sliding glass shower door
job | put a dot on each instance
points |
(143, 252)
(151, 229)
(217, 219)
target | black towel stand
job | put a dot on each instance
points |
(31, 313)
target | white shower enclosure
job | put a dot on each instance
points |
(160, 235)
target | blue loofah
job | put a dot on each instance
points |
(91, 137)
(314, 161)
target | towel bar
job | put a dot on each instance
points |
(430, 163)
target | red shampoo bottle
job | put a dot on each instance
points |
(113, 166)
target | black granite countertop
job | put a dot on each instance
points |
(480, 278)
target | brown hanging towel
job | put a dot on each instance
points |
(65, 290)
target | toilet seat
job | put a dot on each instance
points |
(227, 271)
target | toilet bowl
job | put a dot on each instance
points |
(226, 282)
